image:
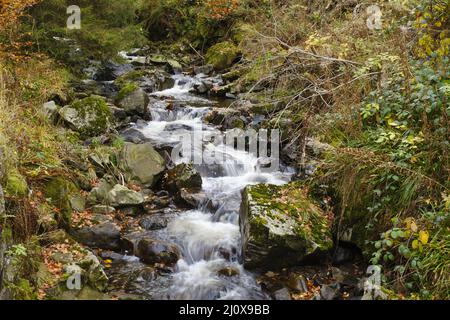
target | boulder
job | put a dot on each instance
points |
(157, 251)
(99, 194)
(280, 226)
(133, 100)
(182, 176)
(171, 64)
(142, 163)
(102, 209)
(50, 110)
(89, 116)
(190, 200)
(282, 294)
(120, 195)
(105, 235)
(205, 69)
(149, 80)
(222, 55)
(154, 222)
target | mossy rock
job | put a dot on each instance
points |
(133, 99)
(61, 191)
(241, 31)
(222, 55)
(142, 163)
(126, 89)
(183, 176)
(132, 76)
(281, 225)
(89, 116)
(16, 185)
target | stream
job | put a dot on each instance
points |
(209, 236)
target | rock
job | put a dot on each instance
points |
(46, 219)
(133, 135)
(149, 80)
(89, 294)
(157, 251)
(89, 116)
(133, 100)
(120, 195)
(338, 275)
(223, 90)
(154, 222)
(173, 65)
(50, 110)
(330, 292)
(203, 86)
(183, 176)
(78, 203)
(189, 200)
(102, 209)
(282, 294)
(118, 113)
(143, 163)
(235, 122)
(222, 55)
(131, 211)
(205, 69)
(280, 226)
(96, 277)
(345, 254)
(64, 258)
(228, 272)
(99, 194)
(297, 283)
(104, 236)
(61, 193)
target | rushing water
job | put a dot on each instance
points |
(204, 236)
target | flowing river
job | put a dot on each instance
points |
(203, 235)
(208, 236)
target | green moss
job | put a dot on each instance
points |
(126, 90)
(290, 204)
(94, 114)
(240, 32)
(16, 185)
(130, 77)
(60, 191)
(222, 55)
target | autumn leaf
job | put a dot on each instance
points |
(424, 236)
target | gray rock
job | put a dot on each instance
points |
(133, 135)
(298, 283)
(282, 294)
(104, 236)
(182, 176)
(156, 251)
(102, 209)
(135, 102)
(120, 195)
(99, 194)
(50, 110)
(205, 69)
(89, 116)
(330, 292)
(154, 222)
(280, 226)
(143, 163)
